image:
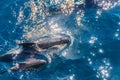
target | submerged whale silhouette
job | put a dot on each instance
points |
(32, 64)
(85, 5)
(34, 49)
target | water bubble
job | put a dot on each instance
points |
(92, 40)
(118, 29)
(21, 77)
(93, 54)
(71, 77)
(101, 50)
(116, 34)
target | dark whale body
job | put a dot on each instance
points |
(86, 5)
(46, 43)
(33, 49)
(32, 64)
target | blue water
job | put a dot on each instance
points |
(93, 54)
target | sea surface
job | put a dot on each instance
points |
(94, 50)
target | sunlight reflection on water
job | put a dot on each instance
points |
(35, 17)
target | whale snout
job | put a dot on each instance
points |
(65, 40)
(42, 62)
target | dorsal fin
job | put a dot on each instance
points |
(27, 45)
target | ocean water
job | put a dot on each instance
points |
(94, 51)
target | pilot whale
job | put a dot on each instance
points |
(76, 6)
(31, 64)
(85, 5)
(30, 50)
